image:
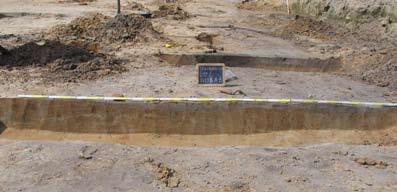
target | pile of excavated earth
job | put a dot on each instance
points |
(171, 10)
(72, 52)
(61, 62)
(105, 30)
(364, 31)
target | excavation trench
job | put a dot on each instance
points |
(194, 123)
(272, 63)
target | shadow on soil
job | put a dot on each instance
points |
(43, 53)
(2, 127)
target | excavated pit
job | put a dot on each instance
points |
(196, 123)
(271, 63)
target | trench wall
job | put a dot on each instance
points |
(271, 63)
(190, 118)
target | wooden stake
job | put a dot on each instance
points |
(118, 7)
(288, 10)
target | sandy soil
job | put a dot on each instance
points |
(146, 75)
(82, 166)
(170, 81)
(383, 137)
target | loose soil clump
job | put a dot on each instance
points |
(172, 10)
(371, 162)
(61, 62)
(382, 69)
(163, 173)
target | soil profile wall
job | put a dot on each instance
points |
(189, 118)
(271, 63)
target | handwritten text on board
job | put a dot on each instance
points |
(210, 74)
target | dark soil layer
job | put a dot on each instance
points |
(73, 51)
(63, 62)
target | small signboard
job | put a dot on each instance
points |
(211, 74)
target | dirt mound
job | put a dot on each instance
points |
(371, 54)
(34, 54)
(262, 5)
(172, 10)
(132, 5)
(61, 62)
(309, 27)
(350, 11)
(382, 69)
(104, 30)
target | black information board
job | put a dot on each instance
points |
(211, 74)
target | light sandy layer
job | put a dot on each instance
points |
(277, 138)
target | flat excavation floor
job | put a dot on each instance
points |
(81, 166)
(224, 28)
(83, 48)
(168, 81)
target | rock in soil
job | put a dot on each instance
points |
(371, 162)
(164, 173)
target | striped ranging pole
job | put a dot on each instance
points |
(179, 99)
